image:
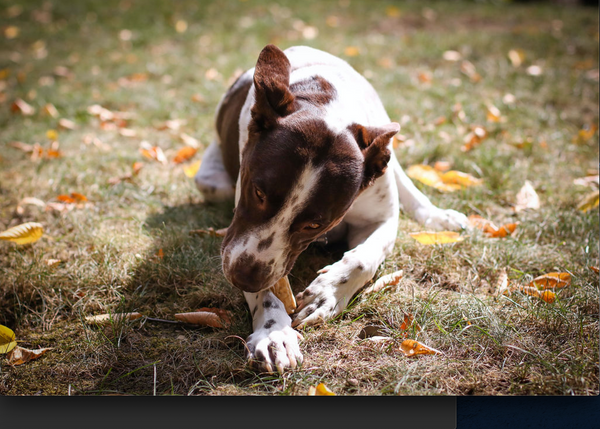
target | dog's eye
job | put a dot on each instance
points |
(260, 194)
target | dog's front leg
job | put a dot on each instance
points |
(273, 344)
(330, 293)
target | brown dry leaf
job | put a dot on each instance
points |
(210, 231)
(493, 114)
(189, 140)
(320, 390)
(412, 348)
(184, 154)
(551, 281)
(592, 180)
(66, 124)
(20, 106)
(391, 279)
(409, 321)
(50, 110)
(474, 138)
(52, 262)
(136, 167)
(425, 77)
(20, 355)
(527, 198)
(29, 201)
(452, 56)
(502, 285)
(104, 319)
(160, 254)
(213, 317)
(516, 57)
(153, 152)
(469, 69)
(585, 134)
(436, 237)
(25, 233)
(594, 269)
(589, 202)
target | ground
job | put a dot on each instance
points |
(129, 247)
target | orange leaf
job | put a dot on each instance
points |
(460, 178)
(20, 106)
(66, 199)
(214, 317)
(594, 269)
(184, 154)
(383, 281)
(412, 348)
(78, 197)
(320, 390)
(136, 167)
(546, 295)
(503, 230)
(551, 281)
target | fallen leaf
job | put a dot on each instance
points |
(527, 198)
(184, 154)
(593, 180)
(190, 170)
(546, 295)
(160, 254)
(493, 114)
(66, 124)
(20, 106)
(25, 233)
(351, 51)
(136, 167)
(594, 269)
(50, 110)
(53, 262)
(551, 281)
(7, 339)
(127, 132)
(441, 237)
(104, 319)
(503, 230)
(425, 77)
(29, 201)
(66, 199)
(412, 348)
(11, 31)
(502, 284)
(535, 70)
(469, 69)
(474, 138)
(213, 317)
(454, 177)
(153, 152)
(442, 166)
(172, 124)
(516, 57)
(430, 177)
(181, 26)
(210, 231)
(391, 279)
(320, 390)
(408, 322)
(589, 202)
(452, 56)
(189, 140)
(20, 355)
(585, 134)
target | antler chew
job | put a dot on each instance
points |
(283, 291)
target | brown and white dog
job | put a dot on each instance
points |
(307, 143)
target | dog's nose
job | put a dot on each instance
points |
(249, 277)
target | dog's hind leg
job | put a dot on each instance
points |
(212, 179)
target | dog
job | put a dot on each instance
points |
(304, 148)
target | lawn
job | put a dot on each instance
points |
(505, 92)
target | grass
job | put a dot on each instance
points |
(516, 345)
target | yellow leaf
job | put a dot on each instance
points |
(104, 319)
(459, 178)
(589, 202)
(551, 281)
(7, 339)
(25, 233)
(52, 134)
(190, 170)
(412, 348)
(20, 355)
(320, 390)
(546, 295)
(424, 174)
(441, 237)
(351, 51)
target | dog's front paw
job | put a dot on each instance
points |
(439, 219)
(269, 349)
(317, 304)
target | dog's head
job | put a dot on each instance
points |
(298, 177)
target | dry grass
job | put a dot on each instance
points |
(516, 345)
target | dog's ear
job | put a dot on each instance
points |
(271, 84)
(373, 142)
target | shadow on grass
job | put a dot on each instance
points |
(188, 276)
